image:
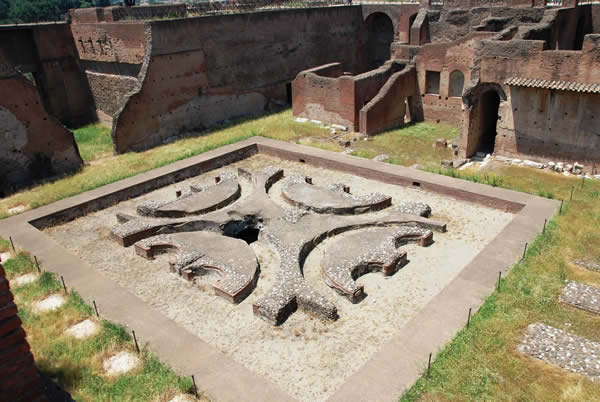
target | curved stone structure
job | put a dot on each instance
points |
(200, 199)
(295, 241)
(335, 198)
(359, 254)
(199, 252)
(292, 232)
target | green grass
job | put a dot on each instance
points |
(410, 145)
(94, 141)
(481, 363)
(76, 365)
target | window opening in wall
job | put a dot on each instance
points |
(432, 82)
(457, 83)
(488, 108)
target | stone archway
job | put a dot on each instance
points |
(481, 105)
(380, 36)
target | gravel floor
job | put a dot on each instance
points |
(581, 296)
(562, 349)
(306, 356)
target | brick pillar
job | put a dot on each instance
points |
(19, 377)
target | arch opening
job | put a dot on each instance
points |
(488, 121)
(411, 21)
(457, 83)
(380, 37)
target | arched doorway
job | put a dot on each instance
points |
(411, 21)
(488, 121)
(381, 35)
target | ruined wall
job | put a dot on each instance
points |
(48, 52)
(450, 24)
(207, 69)
(545, 124)
(446, 58)
(388, 108)
(111, 55)
(324, 94)
(19, 377)
(33, 144)
(538, 123)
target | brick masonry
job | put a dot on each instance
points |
(19, 377)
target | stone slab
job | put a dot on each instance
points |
(562, 349)
(581, 296)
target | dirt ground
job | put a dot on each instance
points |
(306, 356)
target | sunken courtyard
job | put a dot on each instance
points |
(275, 271)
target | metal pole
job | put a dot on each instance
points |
(561, 205)
(37, 263)
(524, 251)
(12, 245)
(96, 308)
(135, 340)
(469, 317)
(429, 365)
(195, 388)
(499, 278)
(544, 230)
(64, 286)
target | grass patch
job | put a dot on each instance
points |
(410, 145)
(94, 141)
(481, 363)
(76, 365)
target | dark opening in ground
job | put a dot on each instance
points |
(249, 235)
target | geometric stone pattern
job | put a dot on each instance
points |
(582, 296)
(205, 242)
(344, 262)
(562, 349)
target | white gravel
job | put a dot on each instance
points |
(120, 363)
(84, 329)
(306, 356)
(5, 256)
(49, 303)
(23, 280)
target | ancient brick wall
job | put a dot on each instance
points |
(111, 54)
(208, 69)
(19, 377)
(545, 124)
(446, 58)
(48, 52)
(388, 108)
(32, 143)
(119, 13)
(323, 93)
